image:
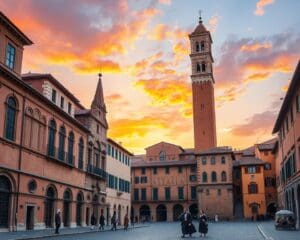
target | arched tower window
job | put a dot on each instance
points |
(197, 47)
(162, 156)
(10, 120)
(213, 176)
(70, 147)
(204, 177)
(51, 138)
(80, 153)
(203, 67)
(223, 176)
(202, 46)
(61, 143)
(198, 67)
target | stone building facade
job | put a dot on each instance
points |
(53, 151)
(118, 181)
(287, 149)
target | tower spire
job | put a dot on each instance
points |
(200, 17)
(98, 101)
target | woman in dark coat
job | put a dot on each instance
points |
(187, 226)
(203, 226)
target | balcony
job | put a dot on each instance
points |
(60, 156)
(96, 171)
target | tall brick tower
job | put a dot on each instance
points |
(203, 89)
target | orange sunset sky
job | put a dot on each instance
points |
(142, 49)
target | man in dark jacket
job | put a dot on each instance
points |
(114, 222)
(101, 221)
(57, 221)
(93, 221)
(187, 226)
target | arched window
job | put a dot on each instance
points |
(202, 46)
(203, 67)
(223, 161)
(197, 46)
(10, 120)
(70, 147)
(97, 154)
(198, 68)
(204, 177)
(162, 156)
(61, 143)
(252, 188)
(51, 138)
(212, 160)
(80, 153)
(90, 153)
(213, 176)
(223, 176)
(203, 160)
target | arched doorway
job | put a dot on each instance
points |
(79, 205)
(177, 211)
(49, 207)
(271, 210)
(194, 210)
(5, 194)
(95, 207)
(161, 213)
(119, 217)
(67, 208)
(145, 213)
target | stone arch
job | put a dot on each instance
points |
(271, 209)
(67, 200)
(79, 208)
(51, 196)
(7, 186)
(161, 213)
(194, 210)
(145, 213)
(177, 211)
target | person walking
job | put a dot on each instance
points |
(187, 226)
(114, 222)
(126, 222)
(203, 226)
(93, 221)
(57, 221)
(101, 222)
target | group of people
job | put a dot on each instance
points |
(187, 226)
(114, 221)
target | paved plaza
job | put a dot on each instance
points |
(171, 231)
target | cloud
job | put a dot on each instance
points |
(253, 47)
(213, 23)
(229, 95)
(166, 32)
(165, 2)
(81, 35)
(260, 6)
(259, 123)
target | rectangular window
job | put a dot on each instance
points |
(144, 195)
(154, 170)
(143, 171)
(167, 193)
(53, 97)
(179, 169)
(136, 180)
(108, 149)
(69, 108)
(287, 123)
(136, 194)
(144, 179)
(193, 192)
(298, 103)
(167, 170)
(180, 193)
(193, 168)
(116, 182)
(251, 170)
(219, 192)
(62, 102)
(10, 56)
(154, 194)
(193, 178)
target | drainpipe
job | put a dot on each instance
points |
(20, 161)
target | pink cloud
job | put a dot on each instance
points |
(260, 5)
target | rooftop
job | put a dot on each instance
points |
(247, 160)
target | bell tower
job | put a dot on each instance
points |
(203, 89)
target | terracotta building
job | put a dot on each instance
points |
(53, 151)
(118, 181)
(287, 150)
(254, 178)
(164, 182)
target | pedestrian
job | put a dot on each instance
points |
(132, 220)
(187, 226)
(126, 222)
(57, 221)
(203, 226)
(93, 221)
(101, 222)
(114, 222)
(216, 218)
